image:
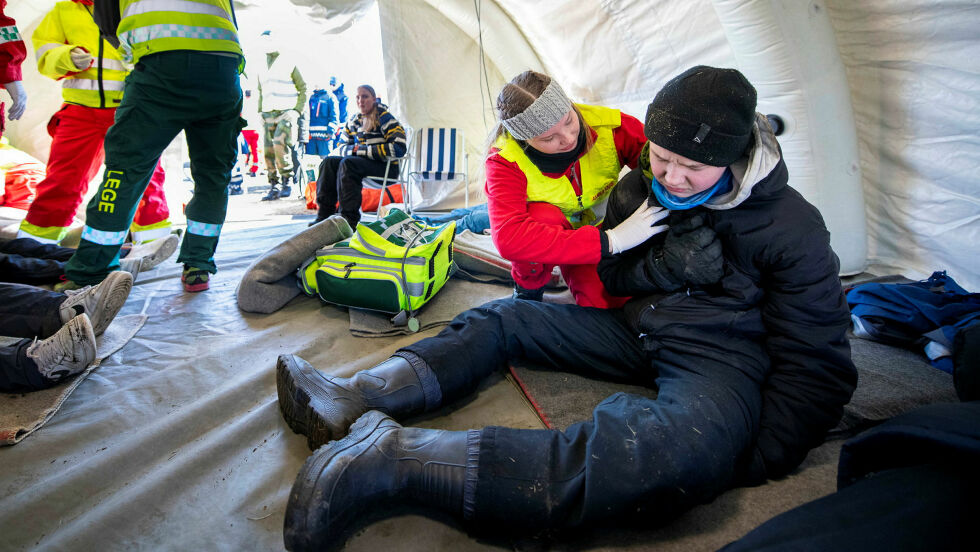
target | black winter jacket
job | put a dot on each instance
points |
(779, 307)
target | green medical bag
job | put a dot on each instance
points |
(393, 265)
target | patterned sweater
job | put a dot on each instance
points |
(388, 140)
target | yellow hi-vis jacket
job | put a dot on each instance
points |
(67, 26)
(154, 26)
(598, 169)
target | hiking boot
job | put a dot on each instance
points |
(379, 465)
(322, 408)
(273, 193)
(152, 253)
(100, 303)
(69, 351)
(195, 279)
(286, 191)
(235, 189)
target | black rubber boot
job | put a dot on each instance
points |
(323, 407)
(377, 470)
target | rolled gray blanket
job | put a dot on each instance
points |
(270, 282)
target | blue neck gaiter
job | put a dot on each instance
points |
(675, 203)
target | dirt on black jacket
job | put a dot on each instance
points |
(778, 310)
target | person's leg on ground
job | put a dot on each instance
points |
(28, 261)
(76, 154)
(212, 142)
(28, 311)
(637, 458)
(32, 364)
(444, 368)
(433, 467)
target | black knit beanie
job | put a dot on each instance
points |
(705, 114)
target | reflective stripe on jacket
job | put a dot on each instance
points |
(153, 26)
(67, 26)
(598, 171)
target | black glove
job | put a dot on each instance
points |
(691, 253)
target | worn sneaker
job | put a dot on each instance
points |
(195, 279)
(152, 253)
(101, 302)
(69, 351)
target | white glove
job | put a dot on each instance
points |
(81, 58)
(637, 228)
(19, 95)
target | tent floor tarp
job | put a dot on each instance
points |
(176, 441)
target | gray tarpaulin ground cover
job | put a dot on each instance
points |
(176, 441)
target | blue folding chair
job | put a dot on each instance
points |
(440, 164)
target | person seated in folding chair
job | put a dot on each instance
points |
(370, 138)
(59, 330)
(550, 168)
(744, 340)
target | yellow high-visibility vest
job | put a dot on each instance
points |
(154, 26)
(599, 170)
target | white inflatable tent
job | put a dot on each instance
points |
(176, 441)
(880, 97)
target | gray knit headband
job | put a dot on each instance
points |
(541, 115)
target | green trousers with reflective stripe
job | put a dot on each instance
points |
(166, 93)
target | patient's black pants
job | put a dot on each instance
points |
(637, 456)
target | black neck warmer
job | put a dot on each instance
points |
(556, 163)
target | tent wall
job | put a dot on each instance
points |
(914, 72)
(912, 68)
(616, 54)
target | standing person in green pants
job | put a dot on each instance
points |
(185, 78)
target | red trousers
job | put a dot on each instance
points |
(252, 139)
(78, 133)
(582, 279)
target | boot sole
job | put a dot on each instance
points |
(119, 284)
(294, 403)
(305, 500)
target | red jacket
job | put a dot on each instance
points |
(519, 238)
(12, 51)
